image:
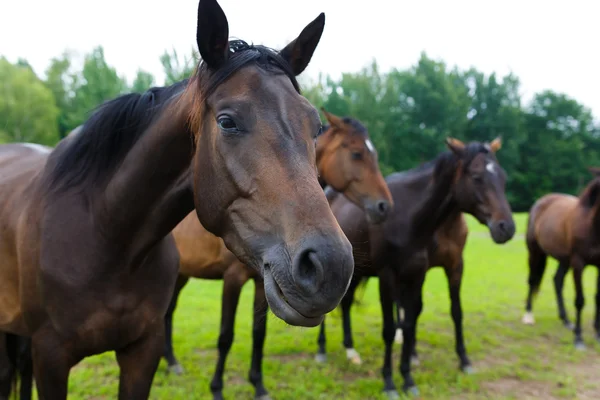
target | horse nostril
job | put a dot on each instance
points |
(502, 226)
(382, 206)
(308, 271)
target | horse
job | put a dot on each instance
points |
(467, 178)
(88, 261)
(446, 251)
(347, 159)
(565, 227)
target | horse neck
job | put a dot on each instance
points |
(434, 202)
(150, 193)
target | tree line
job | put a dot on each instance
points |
(547, 144)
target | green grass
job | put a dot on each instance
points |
(513, 361)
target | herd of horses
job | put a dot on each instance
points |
(230, 175)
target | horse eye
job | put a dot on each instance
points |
(320, 131)
(357, 156)
(227, 124)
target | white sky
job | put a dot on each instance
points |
(547, 44)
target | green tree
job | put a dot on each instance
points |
(142, 82)
(176, 69)
(97, 83)
(61, 82)
(27, 108)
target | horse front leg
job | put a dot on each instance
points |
(454, 274)
(259, 332)
(52, 363)
(578, 267)
(232, 286)
(387, 311)
(351, 354)
(169, 354)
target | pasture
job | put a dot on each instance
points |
(512, 361)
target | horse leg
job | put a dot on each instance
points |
(454, 274)
(398, 308)
(25, 367)
(173, 363)
(597, 320)
(51, 365)
(7, 369)
(230, 298)
(387, 311)
(259, 331)
(413, 304)
(351, 354)
(578, 266)
(321, 356)
(138, 362)
(537, 266)
(559, 280)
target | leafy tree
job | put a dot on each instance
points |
(27, 108)
(176, 69)
(142, 82)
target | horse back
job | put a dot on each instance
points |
(550, 224)
(20, 165)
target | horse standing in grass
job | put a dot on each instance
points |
(88, 262)
(566, 228)
(468, 178)
(347, 160)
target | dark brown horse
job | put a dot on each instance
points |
(468, 178)
(566, 228)
(346, 158)
(88, 263)
(446, 251)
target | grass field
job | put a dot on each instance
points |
(512, 361)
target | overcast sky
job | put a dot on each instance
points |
(548, 44)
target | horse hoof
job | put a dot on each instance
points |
(414, 360)
(399, 338)
(177, 369)
(263, 397)
(468, 369)
(392, 394)
(412, 391)
(353, 356)
(528, 318)
(321, 358)
(579, 345)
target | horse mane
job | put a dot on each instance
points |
(445, 161)
(116, 125)
(589, 194)
(357, 126)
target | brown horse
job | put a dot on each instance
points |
(446, 251)
(468, 178)
(88, 263)
(565, 228)
(346, 158)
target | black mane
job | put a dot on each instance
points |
(445, 162)
(356, 125)
(116, 125)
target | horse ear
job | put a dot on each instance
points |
(299, 52)
(455, 145)
(212, 34)
(333, 120)
(496, 144)
(594, 170)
